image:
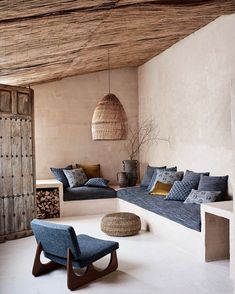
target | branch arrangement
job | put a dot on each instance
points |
(146, 133)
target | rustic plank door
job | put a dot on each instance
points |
(17, 162)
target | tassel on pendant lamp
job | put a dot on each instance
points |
(109, 121)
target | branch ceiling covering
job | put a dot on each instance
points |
(48, 40)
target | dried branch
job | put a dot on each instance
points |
(146, 133)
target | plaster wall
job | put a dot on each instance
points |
(186, 91)
(63, 113)
(232, 258)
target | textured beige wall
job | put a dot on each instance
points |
(232, 257)
(186, 89)
(63, 113)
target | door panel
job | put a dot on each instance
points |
(17, 178)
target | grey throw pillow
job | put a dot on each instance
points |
(213, 183)
(166, 177)
(181, 190)
(174, 168)
(76, 177)
(191, 176)
(59, 174)
(199, 197)
(148, 175)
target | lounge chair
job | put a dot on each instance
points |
(60, 244)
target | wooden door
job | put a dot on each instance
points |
(17, 170)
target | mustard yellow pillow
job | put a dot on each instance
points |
(91, 171)
(161, 189)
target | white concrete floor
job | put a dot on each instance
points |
(146, 265)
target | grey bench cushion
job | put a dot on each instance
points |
(86, 193)
(187, 215)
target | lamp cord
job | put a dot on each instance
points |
(108, 71)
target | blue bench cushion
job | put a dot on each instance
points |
(91, 249)
(85, 193)
(187, 215)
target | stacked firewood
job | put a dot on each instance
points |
(47, 203)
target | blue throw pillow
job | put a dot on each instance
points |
(199, 197)
(60, 176)
(76, 177)
(148, 175)
(97, 182)
(191, 176)
(181, 190)
(155, 174)
(213, 183)
(174, 168)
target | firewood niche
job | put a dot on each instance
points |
(47, 203)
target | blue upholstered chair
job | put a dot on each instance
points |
(60, 244)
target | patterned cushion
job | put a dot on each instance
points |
(148, 175)
(161, 189)
(212, 183)
(76, 177)
(167, 177)
(156, 172)
(181, 190)
(199, 197)
(59, 174)
(91, 171)
(97, 182)
(191, 176)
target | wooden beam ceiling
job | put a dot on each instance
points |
(45, 40)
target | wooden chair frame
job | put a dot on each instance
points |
(74, 280)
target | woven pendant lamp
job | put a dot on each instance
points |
(109, 121)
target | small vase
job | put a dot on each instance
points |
(130, 167)
(122, 179)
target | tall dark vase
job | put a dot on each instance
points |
(122, 179)
(130, 167)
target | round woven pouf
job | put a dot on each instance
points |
(121, 224)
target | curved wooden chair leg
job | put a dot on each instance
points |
(40, 268)
(74, 281)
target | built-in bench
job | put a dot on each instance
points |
(187, 226)
(187, 215)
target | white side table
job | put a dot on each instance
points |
(217, 229)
